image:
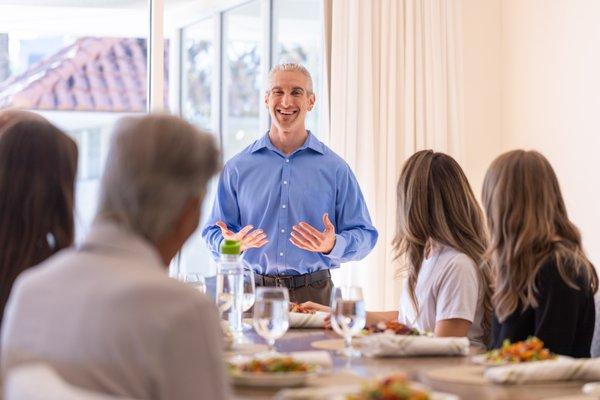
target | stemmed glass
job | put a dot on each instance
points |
(249, 292)
(194, 280)
(271, 314)
(348, 316)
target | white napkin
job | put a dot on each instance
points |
(321, 358)
(561, 369)
(391, 345)
(301, 320)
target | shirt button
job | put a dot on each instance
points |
(283, 231)
(287, 160)
(281, 254)
(285, 182)
(283, 206)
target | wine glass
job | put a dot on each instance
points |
(271, 314)
(249, 293)
(348, 316)
(193, 279)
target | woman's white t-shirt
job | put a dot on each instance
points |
(447, 287)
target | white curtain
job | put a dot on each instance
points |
(395, 79)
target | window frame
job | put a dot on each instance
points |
(266, 63)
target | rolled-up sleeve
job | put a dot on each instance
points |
(225, 208)
(355, 234)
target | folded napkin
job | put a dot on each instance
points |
(321, 358)
(301, 320)
(561, 369)
(391, 345)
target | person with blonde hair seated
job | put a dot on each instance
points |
(543, 282)
(441, 237)
(105, 315)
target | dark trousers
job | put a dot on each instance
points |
(318, 291)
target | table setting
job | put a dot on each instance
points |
(284, 352)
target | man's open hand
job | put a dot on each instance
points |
(308, 238)
(249, 238)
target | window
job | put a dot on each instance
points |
(198, 54)
(242, 83)
(82, 67)
(298, 37)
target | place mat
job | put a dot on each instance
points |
(473, 375)
(328, 344)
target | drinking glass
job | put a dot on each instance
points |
(271, 314)
(348, 316)
(224, 292)
(194, 280)
(249, 294)
(249, 290)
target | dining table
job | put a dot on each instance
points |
(435, 372)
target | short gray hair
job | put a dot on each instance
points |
(291, 67)
(155, 164)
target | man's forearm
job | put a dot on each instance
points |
(213, 237)
(353, 244)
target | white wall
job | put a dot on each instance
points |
(551, 80)
(481, 26)
(532, 77)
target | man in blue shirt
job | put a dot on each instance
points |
(293, 203)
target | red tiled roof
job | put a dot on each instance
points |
(92, 74)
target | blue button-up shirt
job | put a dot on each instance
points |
(263, 187)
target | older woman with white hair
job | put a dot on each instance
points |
(105, 315)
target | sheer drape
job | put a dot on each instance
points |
(395, 79)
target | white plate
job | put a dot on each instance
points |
(341, 392)
(419, 386)
(277, 379)
(314, 321)
(481, 359)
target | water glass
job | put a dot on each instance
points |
(249, 290)
(224, 291)
(193, 279)
(348, 316)
(271, 314)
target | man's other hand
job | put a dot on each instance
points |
(308, 238)
(249, 238)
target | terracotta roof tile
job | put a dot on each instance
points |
(92, 74)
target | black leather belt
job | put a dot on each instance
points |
(291, 281)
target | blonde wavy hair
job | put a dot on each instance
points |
(436, 203)
(528, 225)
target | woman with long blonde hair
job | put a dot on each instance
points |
(441, 236)
(440, 233)
(543, 282)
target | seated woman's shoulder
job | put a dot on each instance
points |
(565, 268)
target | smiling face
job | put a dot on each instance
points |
(288, 100)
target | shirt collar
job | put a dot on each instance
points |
(311, 142)
(109, 236)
